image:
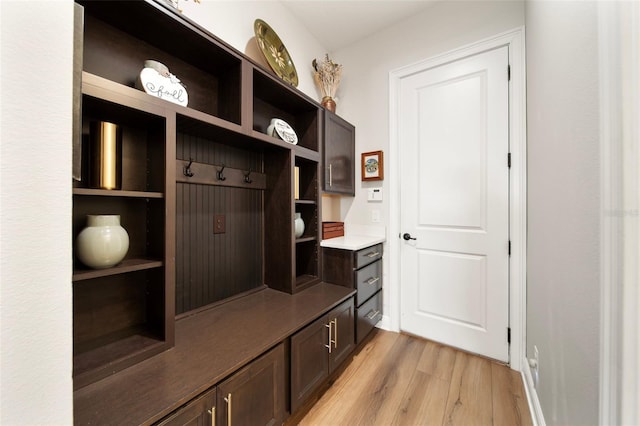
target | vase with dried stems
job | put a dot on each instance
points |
(327, 76)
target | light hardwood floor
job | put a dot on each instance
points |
(403, 380)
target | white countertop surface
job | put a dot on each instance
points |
(352, 242)
(357, 237)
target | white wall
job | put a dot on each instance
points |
(35, 216)
(232, 21)
(364, 93)
(563, 296)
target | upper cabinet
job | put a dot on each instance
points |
(207, 197)
(338, 155)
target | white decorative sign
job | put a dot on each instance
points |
(163, 84)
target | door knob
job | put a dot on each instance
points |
(407, 236)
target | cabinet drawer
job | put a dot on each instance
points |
(368, 281)
(368, 316)
(368, 255)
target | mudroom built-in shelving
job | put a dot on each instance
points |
(215, 281)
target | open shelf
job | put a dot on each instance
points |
(128, 265)
(272, 100)
(118, 320)
(143, 144)
(124, 348)
(116, 44)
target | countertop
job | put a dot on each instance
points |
(352, 242)
(357, 237)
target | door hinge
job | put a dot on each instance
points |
(509, 247)
(509, 335)
(509, 160)
(509, 72)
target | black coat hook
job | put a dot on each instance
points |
(220, 175)
(187, 169)
(247, 179)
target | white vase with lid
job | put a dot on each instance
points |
(103, 243)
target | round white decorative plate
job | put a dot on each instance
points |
(281, 129)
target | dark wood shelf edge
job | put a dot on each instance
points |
(270, 139)
(306, 153)
(126, 266)
(305, 239)
(117, 193)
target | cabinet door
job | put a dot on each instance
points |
(339, 155)
(256, 394)
(343, 334)
(199, 412)
(309, 360)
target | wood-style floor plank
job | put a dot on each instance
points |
(383, 394)
(437, 360)
(398, 379)
(509, 401)
(424, 401)
(469, 401)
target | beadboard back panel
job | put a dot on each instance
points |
(214, 266)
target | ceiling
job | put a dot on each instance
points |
(339, 23)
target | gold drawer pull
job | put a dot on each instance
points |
(212, 413)
(372, 280)
(373, 254)
(228, 401)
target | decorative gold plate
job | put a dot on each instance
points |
(274, 52)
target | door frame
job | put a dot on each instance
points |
(514, 39)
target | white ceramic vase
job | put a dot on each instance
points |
(103, 243)
(299, 225)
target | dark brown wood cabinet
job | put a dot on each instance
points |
(199, 412)
(255, 395)
(339, 155)
(318, 349)
(360, 270)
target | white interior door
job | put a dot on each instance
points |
(454, 142)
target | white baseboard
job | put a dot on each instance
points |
(385, 323)
(532, 395)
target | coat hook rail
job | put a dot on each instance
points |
(219, 175)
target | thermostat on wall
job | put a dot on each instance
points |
(374, 194)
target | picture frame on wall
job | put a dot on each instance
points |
(372, 166)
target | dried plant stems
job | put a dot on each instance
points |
(327, 76)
